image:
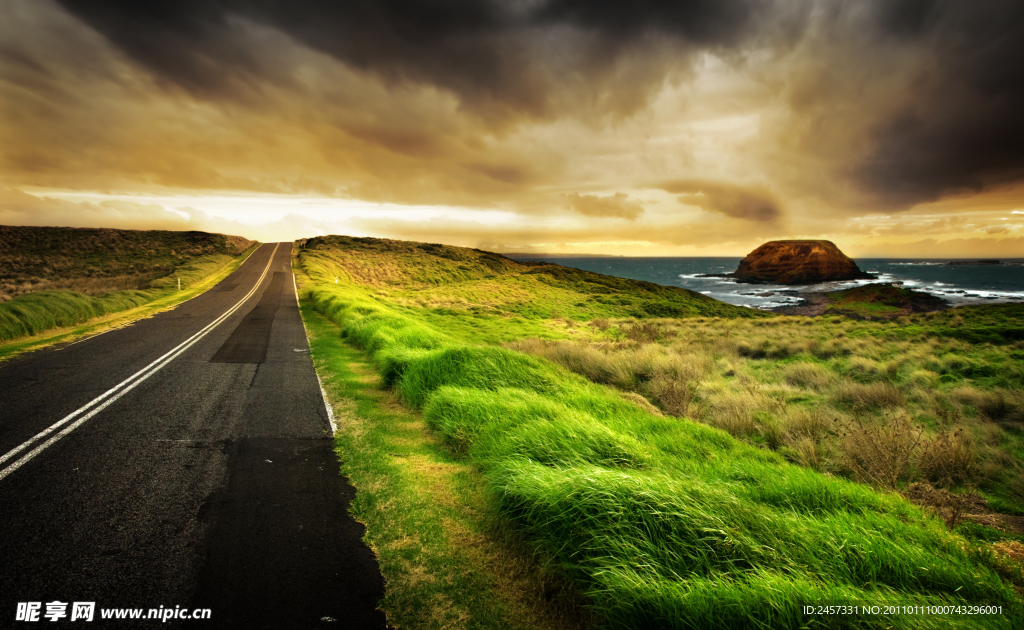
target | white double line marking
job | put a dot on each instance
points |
(108, 397)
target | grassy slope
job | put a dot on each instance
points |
(661, 522)
(794, 384)
(95, 261)
(73, 316)
(881, 301)
(444, 277)
(92, 259)
(442, 562)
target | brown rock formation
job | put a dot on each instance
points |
(798, 262)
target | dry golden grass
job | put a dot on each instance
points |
(809, 375)
(802, 386)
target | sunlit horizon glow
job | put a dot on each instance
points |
(562, 126)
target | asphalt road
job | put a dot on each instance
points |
(207, 481)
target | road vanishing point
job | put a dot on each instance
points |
(184, 461)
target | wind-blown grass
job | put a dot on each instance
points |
(59, 277)
(33, 313)
(662, 522)
(799, 385)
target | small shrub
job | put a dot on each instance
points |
(601, 323)
(880, 453)
(673, 395)
(645, 332)
(948, 460)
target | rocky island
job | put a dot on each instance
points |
(798, 262)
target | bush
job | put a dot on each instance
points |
(672, 395)
(880, 453)
(949, 459)
(645, 332)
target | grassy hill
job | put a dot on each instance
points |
(94, 261)
(56, 277)
(441, 276)
(581, 447)
(882, 301)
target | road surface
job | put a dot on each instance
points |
(184, 461)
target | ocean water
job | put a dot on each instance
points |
(959, 284)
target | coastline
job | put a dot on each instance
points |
(814, 304)
(876, 301)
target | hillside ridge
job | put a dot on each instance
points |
(423, 271)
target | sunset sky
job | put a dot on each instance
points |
(686, 128)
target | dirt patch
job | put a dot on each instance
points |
(813, 304)
(1004, 522)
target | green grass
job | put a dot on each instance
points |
(473, 282)
(37, 319)
(881, 301)
(796, 385)
(660, 522)
(59, 277)
(444, 565)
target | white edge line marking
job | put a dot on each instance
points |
(121, 388)
(323, 393)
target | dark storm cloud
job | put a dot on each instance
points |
(493, 55)
(732, 201)
(185, 41)
(708, 22)
(964, 128)
(952, 120)
(884, 103)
